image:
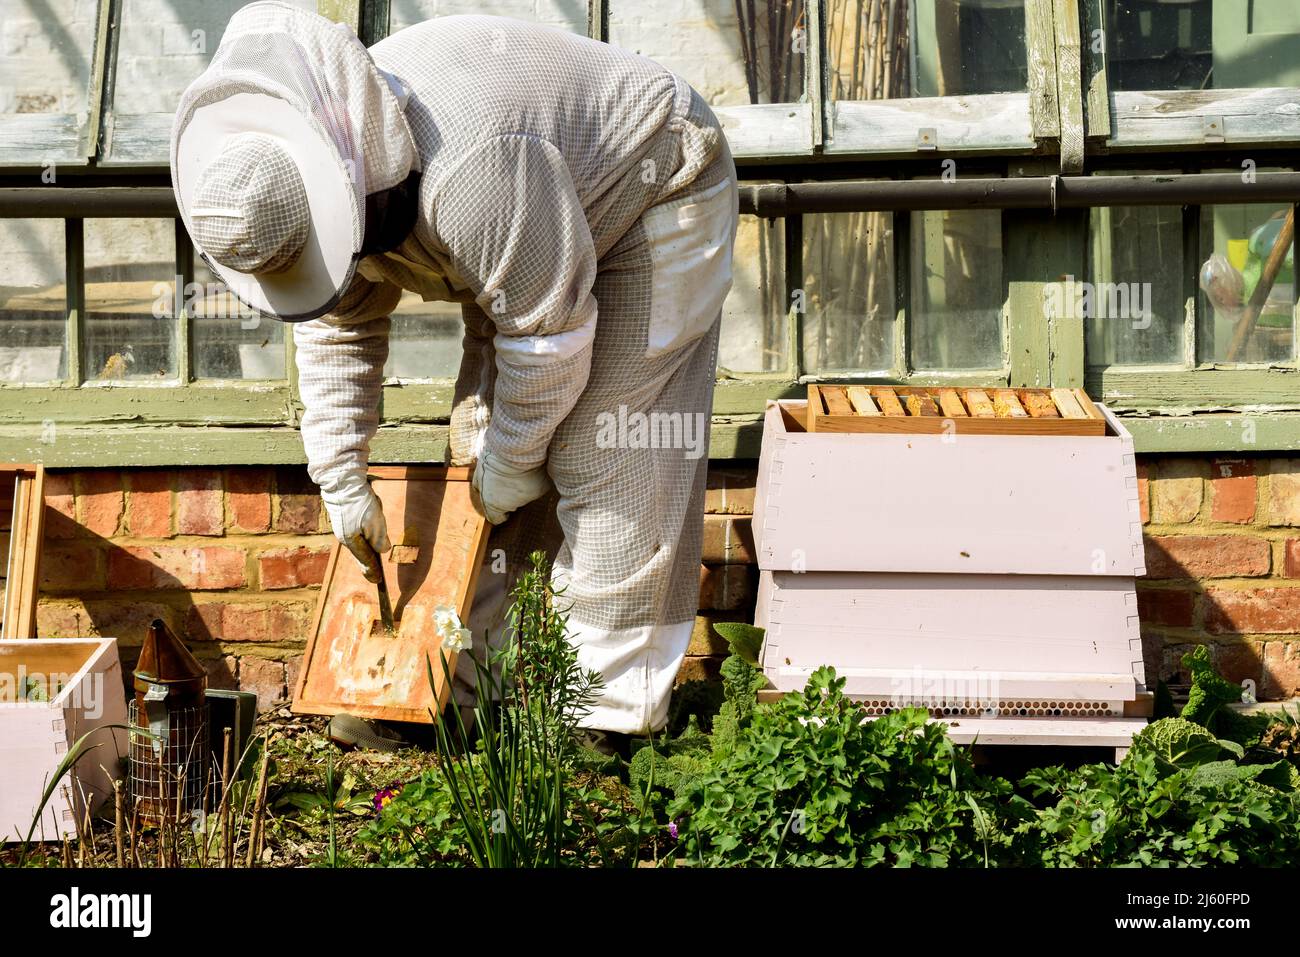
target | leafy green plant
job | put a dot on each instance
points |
(1208, 699)
(810, 781)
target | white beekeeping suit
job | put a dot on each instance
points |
(580, 201)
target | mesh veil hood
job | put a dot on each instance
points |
(323, 71)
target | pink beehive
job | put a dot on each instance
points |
(988, 578)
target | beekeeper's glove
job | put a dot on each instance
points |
(502, 489)
(357, 517)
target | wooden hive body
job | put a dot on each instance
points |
(988, 577)
(36, 735)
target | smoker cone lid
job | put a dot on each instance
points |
(165, 660)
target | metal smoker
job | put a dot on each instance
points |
(169, 765)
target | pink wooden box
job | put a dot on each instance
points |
(53, 691)
(989, 578)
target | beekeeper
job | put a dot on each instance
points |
(578, 199)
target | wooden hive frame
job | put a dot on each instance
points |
(22, 522)
(939, 410)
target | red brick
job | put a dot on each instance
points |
(248, 492)
(173, 566)
(1169, 607)
(221, 674)
(1269, 611)
(263, 677)
(1284, 492)
(728, 540)
(1281, 670)
(1291, 558)
(289, 621)
(60, 506)
(730, 491)
(63, 619)
(199, 510)
(1144, 491)
(203, 621)
(298, 500)
(102, 502)
(292, 567)
(1177, 491)
(1232, 483)
(128, 621)
(244, 622)
(1206, 556)
(149, 503)
(72, 566)
(1238, 661)
(726, 587)
(292, 668)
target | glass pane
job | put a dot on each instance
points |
(130, 330)
(754, 335)
(231, 341)
(1202, 44)
(731, 53)
(1133, 305)
(1236, 244)
(883, 51)
(32, 304)
(956, 311)
(165, 44)
(568, 15)
(45, 63)
(424, 341)
(849, 288)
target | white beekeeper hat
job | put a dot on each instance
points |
(276, 148)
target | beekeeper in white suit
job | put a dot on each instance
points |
(578, 199)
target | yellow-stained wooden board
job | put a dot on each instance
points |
(1007, 405)
(351, 664)
(979, 403)
(863, 404)
(950, 403)
(1039, 405)
(888, 401)
(919, 403)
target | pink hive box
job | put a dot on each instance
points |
(988, 578)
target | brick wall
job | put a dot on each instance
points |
(1223, 567)
(233, 559)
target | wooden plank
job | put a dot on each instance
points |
(22, 555)
(998, 122)
(1096, 85)
(1007, 405)
(351, 664)
(862, 402)
(1067, 404)
(919, 403)
(950, 403)
(889, 404)
(837, 403)
(766, 130)
(1069, 78)
(1040, 37)
(1039, 404)
(979, 403)
(1177, 117)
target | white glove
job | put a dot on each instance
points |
(502, 489)
(357, 517)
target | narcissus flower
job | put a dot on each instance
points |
(453, 635)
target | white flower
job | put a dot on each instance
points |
(458, 639)
(453, 635)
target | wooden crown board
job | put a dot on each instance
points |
(22, 521)
(993, 411)
(439, 540)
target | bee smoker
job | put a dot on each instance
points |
(169, 764)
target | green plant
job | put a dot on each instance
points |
(1142, 813)
(1181, 743)
(513, 799)
(1210, 694)
(809, 780)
